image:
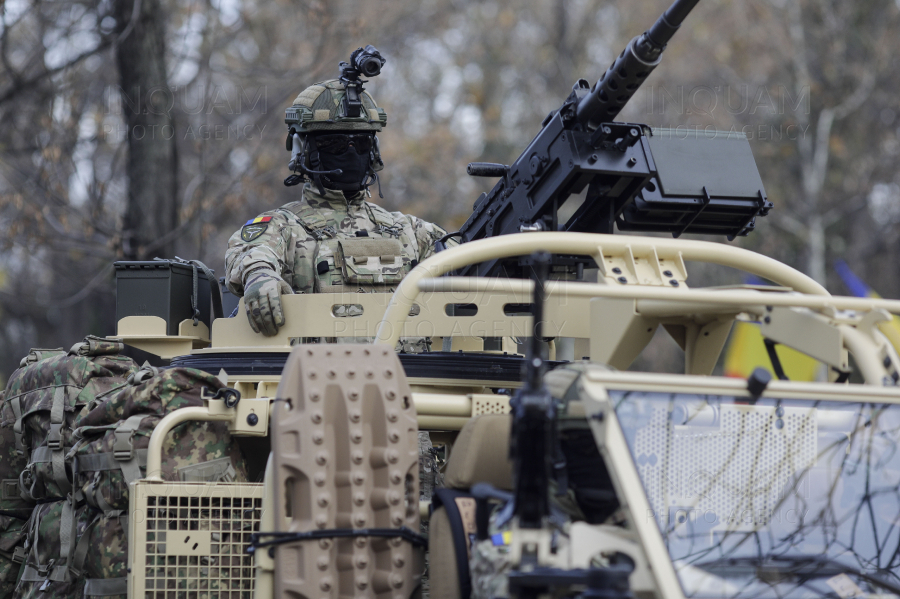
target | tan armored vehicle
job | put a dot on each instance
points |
(711, 486)
(552, 470)
(521, 457)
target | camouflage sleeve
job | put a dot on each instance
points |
(426, 234)
(255, 246)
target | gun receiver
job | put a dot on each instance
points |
(640, 179)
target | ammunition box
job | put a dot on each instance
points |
(161, 288)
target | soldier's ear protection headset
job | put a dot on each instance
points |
(306, 158)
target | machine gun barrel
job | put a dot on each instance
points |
(610, 94)
(635, 178)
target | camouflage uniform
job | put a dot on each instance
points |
(312, 245)
(301, 243)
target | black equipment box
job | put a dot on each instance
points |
(229, 300)
(162, 288)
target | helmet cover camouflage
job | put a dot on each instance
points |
(318, 108)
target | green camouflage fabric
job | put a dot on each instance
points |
(43, 400)
(93, 346)
(12, 546)
(430, 475)
(103, 479)
(155, 392)
(53, 535)
(12, 463)
(318, 108)
(489, 569)
(113, 438)
(109, 557)
(16, 509)
(38, 354)
(302, 238)
(16, 512)
(489, 565)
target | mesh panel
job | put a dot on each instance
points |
(735, 469)
(194, 539)
(324, 102)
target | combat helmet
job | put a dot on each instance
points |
(320, 107)
(337, 106)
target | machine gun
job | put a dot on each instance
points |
(668, 180)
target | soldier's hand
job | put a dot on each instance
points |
(262, 299)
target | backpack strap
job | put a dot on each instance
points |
(33, 527)
(123, 449)
(16, 405)
(76, 564)
(79, 555)
(67, 534)
(55, 440)
(105, 587)
(456, 504)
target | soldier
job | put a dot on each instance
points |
(332, 239)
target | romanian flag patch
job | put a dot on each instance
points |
(255, 227)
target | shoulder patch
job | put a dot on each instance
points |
(255, 227)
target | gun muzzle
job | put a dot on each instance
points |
(631, 68)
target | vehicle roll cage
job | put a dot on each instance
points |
(650, 272)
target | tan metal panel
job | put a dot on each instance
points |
(346, 455)
(191, 539)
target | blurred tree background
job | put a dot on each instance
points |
(131, 129)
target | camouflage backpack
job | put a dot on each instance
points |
(12, 462)
(111, 450)
(56, 549)
(15, 509)
(43, 400)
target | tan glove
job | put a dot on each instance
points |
(262, 299)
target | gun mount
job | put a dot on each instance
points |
(640, 179)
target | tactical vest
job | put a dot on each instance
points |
(345, 263)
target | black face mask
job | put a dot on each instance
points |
(350, 153)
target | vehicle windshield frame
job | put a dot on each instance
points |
(617, 383)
